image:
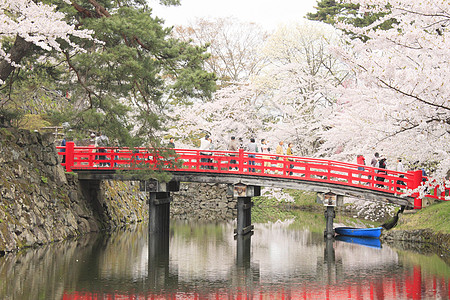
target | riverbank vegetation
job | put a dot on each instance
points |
(425, 231)
(435, 217)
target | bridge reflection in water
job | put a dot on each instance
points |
(205, 262)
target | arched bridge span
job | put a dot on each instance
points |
(258, 169)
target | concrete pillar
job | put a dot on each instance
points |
(158, 233)
(244, 194)
(244, 215)
(329, 216)
(159, 212)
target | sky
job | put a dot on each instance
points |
(267, 13)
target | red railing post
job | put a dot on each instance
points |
(70, 146)
(91, 156)
(110, 158)
(197, 160)
(371, 177)
(415, 182)
(241, 160)
(436, 191)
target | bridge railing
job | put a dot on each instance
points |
(259, 164)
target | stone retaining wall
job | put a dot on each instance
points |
(419, 240)
(40, 204)
(202, 201)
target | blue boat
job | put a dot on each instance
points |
(368, 242)
(359, 232)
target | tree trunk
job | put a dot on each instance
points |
(20, 49)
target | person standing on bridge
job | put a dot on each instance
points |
(290, 152)
(381, 165)
(252, 147)
(374, 162)
(212, 146)
(205, 144)
(280, 151)
(233, 146)
(171, 143)
(102, 141)
(263, 146)
(400, 168)
(360, 161)
(241, 143)
(92, 139)
(63, 144)
(265, 149)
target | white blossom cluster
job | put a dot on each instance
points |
(277, 194)
(37, 23)
(373, 211)
(232, 113)
(287, 100)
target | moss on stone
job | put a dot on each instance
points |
(6, 133)
(28, 179)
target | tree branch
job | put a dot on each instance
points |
(412, 96)
(19, 50)
(80, 80)
(100, 9)
(85, 12)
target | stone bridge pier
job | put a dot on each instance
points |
(244, 194)
(159, 199)
(330, 201)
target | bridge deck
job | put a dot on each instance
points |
(264, 181)
(261, 169)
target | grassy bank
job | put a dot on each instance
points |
(435, 217)
(426, 231)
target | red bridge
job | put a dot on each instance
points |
(264, 168)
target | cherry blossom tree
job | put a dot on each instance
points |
(27, 24)
(234, 111)
(296, 78)
(233, 46)
(287, 100)
(399, 101)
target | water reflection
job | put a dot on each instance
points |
(368, 242)
(158, 262)
(205, 261)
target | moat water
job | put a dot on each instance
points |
(281, 260)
